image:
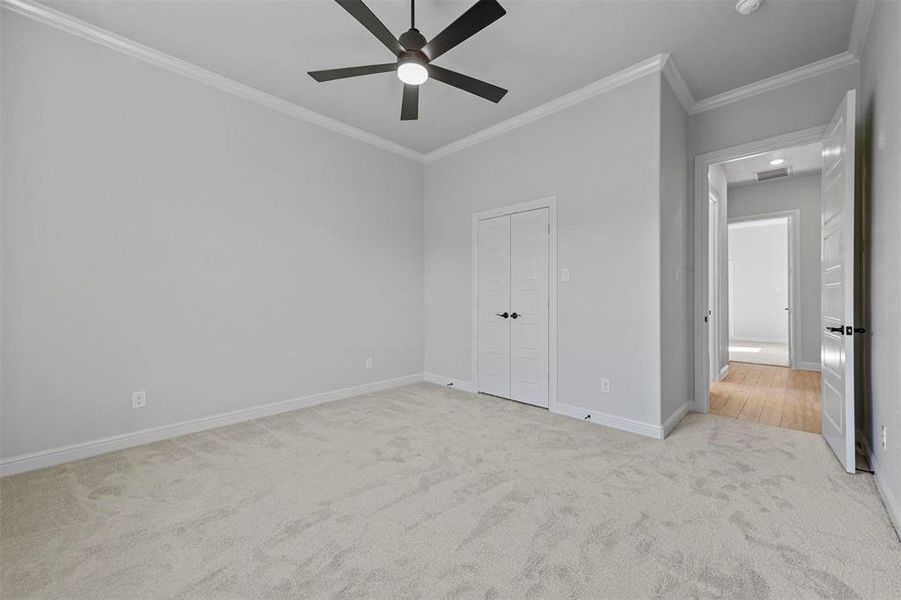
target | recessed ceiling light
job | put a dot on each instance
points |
(777, 161)
(746, 7)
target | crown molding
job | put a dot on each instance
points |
(678, 85)
(59, 20)
(620, 78)
(662, 62)
(863, 16)
(771, 83)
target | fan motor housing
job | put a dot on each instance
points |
(413, 56)
(412, 39)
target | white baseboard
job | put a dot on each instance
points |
(459, 384)
(808, 366)
(599, 418)
(892, 503)
(723, 372)
(56, 456)
(675, 418)
(757, 340)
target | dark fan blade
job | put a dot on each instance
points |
(479, 16)
(467, 83)
(361, 13)
(329, 74)
(409, 109)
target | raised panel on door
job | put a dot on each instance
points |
(837, 348)
(494, 299)
(529, 284)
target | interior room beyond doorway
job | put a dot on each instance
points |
(759, 299)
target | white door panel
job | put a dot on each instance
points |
(837, 347)
(514, 278)
(529, 302)
(494, 299)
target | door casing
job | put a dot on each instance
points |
(702, 164)
(549, 202)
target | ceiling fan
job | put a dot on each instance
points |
(415, 54)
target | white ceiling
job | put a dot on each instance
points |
(803, 160)
(539, 51)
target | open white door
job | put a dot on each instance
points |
(838, 283)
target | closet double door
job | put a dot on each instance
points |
(513, 309)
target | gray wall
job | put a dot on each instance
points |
(880, 100)
(807, 103)
(676, 357)
(161, 235)
(802, 193)
(600, 159)
(758, 257)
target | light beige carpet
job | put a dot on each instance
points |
(428, 492)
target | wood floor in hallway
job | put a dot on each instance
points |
(767, 394)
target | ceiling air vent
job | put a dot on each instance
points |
(773, 173)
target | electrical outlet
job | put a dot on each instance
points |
(884, 439)
(564, 275)
(369, 362)
(605, 386)
(138, 399)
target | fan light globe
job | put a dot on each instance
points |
(412, 73)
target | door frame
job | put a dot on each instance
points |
(702, 163)
(550, 203)
(794, 273)
(713, 291)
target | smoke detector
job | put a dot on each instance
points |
(746, 7)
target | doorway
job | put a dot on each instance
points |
(837, 322)
(760, 289)
(514, 302)
(763, 285)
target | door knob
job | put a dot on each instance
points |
(503, 314)
(514, 316)
(836, 329)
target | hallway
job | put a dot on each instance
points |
(778, 396)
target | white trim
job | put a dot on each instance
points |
(702, 163)
(60, 20)
(661, 62)
(794, 281)
(713, 287)
(457, 384)
(808, 366)
(620, 78)
(724, 372)
(760, 340)
(676, 418)
(863, 16)
(550, 203)
(891, 502)
(599, 418)
(677, 83)
(56, 456)
(771, 83)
